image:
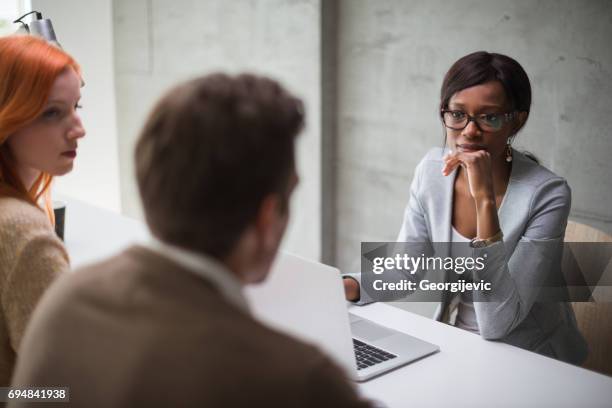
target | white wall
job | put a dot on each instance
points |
(10, 10)
(159, 43)
(84, 28)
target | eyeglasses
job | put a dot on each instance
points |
(458, 120)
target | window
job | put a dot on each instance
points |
(9, 11)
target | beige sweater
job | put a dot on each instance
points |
(31, 257)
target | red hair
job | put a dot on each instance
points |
(28, 68)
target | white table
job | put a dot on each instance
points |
(467, 372)
(92, 234)
(472, 372)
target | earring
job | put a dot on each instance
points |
(509, 151)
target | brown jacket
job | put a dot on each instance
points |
(140, 331)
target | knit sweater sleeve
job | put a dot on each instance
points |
(37, 257)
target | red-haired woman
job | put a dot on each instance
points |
(39, 132)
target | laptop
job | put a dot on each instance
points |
(305, 299)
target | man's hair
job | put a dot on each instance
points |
(211, 150)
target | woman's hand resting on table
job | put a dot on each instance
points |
(351, 289)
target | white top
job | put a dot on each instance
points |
(466, 314)
(205, 267)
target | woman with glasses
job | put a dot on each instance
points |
(501, 204)
(39, 132)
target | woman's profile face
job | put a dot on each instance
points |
(485, 101)
(49, 143)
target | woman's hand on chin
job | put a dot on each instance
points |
(478, 169)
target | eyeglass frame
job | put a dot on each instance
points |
(507, 117)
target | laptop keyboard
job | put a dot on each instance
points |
(368, 355)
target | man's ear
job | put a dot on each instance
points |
(267, 219)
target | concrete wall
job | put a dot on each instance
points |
(370, 73)
(158, 43)
(392, 56)
(85, 30)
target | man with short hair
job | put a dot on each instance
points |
(167, 325)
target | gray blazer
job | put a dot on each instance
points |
(533, 217)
